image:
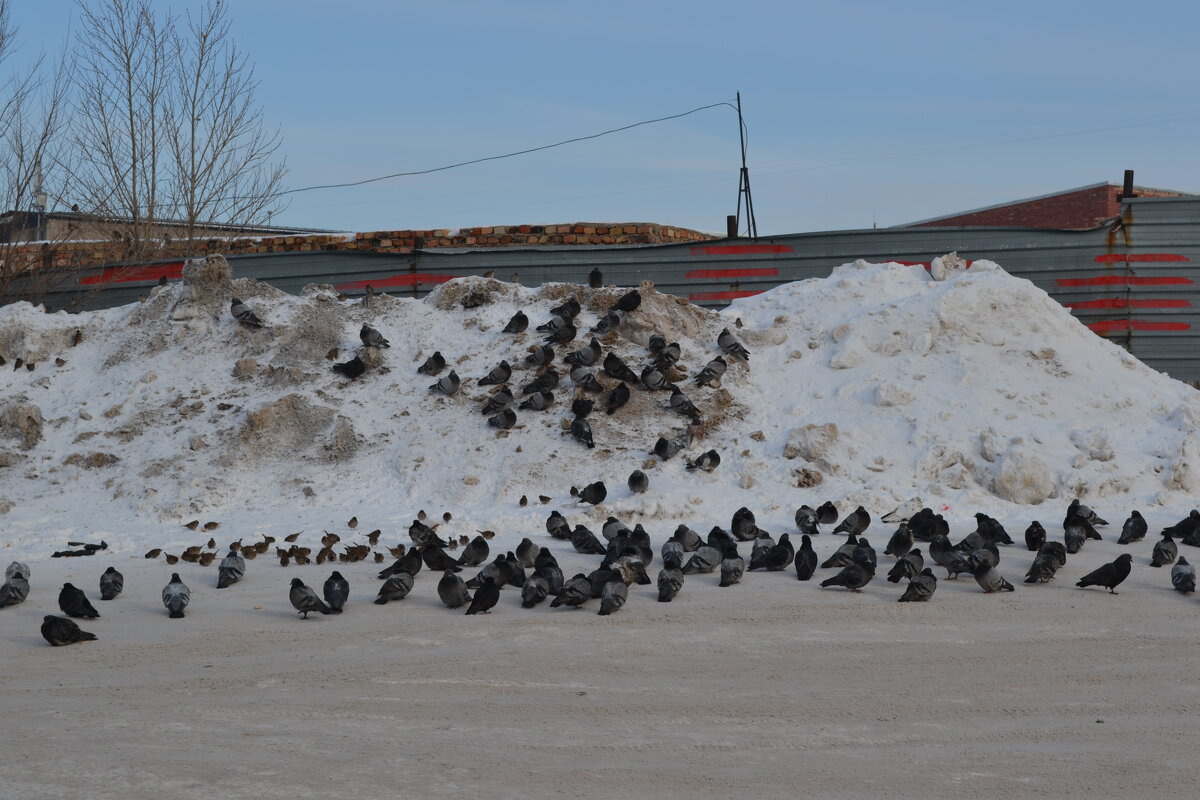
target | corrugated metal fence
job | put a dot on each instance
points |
(1133, 282)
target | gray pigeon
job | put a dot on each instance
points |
(337, 591)
(1165, 551)
(609, 322)
(574, 593)
(584, 541)
(581, 431)
(504, 420)
(1050, 558)
(989, 579)
(176, 596)
(843, 555)
(909, 566)
(60, 631)
(670, 581)
(638, 482)
(305, 600)
(499, 571)
(705, 559)
(1183, 576)
(672, 553)
(551, 573)
(654, 380)
(447, 384)
(498, 375)
(705, 461)
(557, 526)
(242, 313)
(453, 590)
(517, 324)
(433, 365)
(920, 588)
(618, 397)
(730, 346)
(682, 404)
(854, 576)
(535, 590)
(500, 401)
(612, 597)
(712, 372)
(16, 568)
(585, 356)
(544, 382)
(527, 552)
(900, 543)
(1134, 529)
(111, 584)
(475, 552)
(668, 357)
(562, 335)
(733, 566)
(538, 401)
(687, 537)
(14, 590)
(371, 337)
(539, 356)
(74, 603)
(231, 570)
(856, 521)
(422, 534)
(806, 520)
(394, 588)
(666, 448)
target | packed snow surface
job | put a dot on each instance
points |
(873, 386)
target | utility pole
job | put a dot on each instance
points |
(744, 181)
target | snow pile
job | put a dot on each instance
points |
(871, 386)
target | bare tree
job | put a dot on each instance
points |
(32, 110)
(221, 152)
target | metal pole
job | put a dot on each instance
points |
(744, 178)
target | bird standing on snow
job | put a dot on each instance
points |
(447, 384)
(305, 600)
(74, 603)
(1165, 551)
(176, 596)
(989, 579)
(498, 375)
(336, 591)
(730, 346)
(853, 576)
(351, 369)
(453, 590)
(14, 590)
(855, 522)
(595, 278)
(712, 372)
(1109, 576)
(433, 365)
(806, 559)
(920, 588)
(1183, 576)
(517, 324)
(242, 313)
(231, 570)
(371, 337)
(706, 461)
(638, 482)
(111, 584)
(59, 631)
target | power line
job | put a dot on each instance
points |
(505, 155)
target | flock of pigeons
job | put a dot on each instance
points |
(627, 555)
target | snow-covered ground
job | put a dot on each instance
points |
(877, 385)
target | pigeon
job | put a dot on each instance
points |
(668, 358)
(1187, 529)
(410, 563)
(585, 356)
(612, 597)
(900, 543)
(336, 591)
(864, 554)
(853, 576)
(438, 560)
(395, 588)
(991, 531)
(672, 553)
(552, 574)
(666, 448)
(775, 558)
(806, 521)
(920, 588)
(670, 581)
(1165, 551)
(540, 356)
(1134, 529)
(305, 600)
(447, 385)
(586, 380)
(485, 598)
(730, 346)
(656, 343)
(687, 537)
(638, 482)
(176, 596)
(593, 493)
(433, 365)
(706, 559)
(584, 541)
(371, 337)
(827, 513)
(614, 367)
(351, 369)
(705, 461)
(569, 310)
(535, 590)
(475, 552)
(14, 590)
(527, 552)
(498, 570)
(629, 301)
(1109, 576)
(654, 380)
(1077, 509)
(989, 579)
(1035, 536)
(501, 400)
(517, 324)
(581, 431)
(609, 322)
(1074, 535)
(733, 566)
(743, 525)
(537, 402)
(504, 420)
(843, 555)
(111, 584)
(1183, 576)
(242, 313)
(557, 526)
(1051, 557)
(563, 335)
(498, 375)
(712, 372)
(421, 534)
(574, 593)
(618, 397)
(907, 566)
(231, 570)
(806, 559)
(555, 323)
(74, 603)
(855, 522)
(59, 631)
(16, 568)
(595, 278)
(453, 590)
(682, 404)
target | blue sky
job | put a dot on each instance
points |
(858, 113)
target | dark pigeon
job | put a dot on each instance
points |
(498, 402)
(351, 369)
(670, 581)
(527, 552)
(614, 367)
(612, 597)
(475, 552)
(498, 375)
(336, 591)
(806, 521)
(855, 522)
(1110, 575)
(593, 493)
(60, 631)
(581, 431)
(74, 603)
(537, 402)
(574, 593)
(434, 364)
(517, 324)
(582, 406)
(14, 590)
(1134, 529)
(806, 559)
(504, 420)
(900, 543)
(535, 590)
(854, 576)
(305, 600)
(395, 588)
(595, 278)
(540, 356)
(638, 482)
(1035, 536)
(908, 566)
(1183, 576)
(486, 597)
(920, 588)
(111, 584)
(712, 372)
(629, 301)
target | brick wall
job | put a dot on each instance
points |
(1080, 210)
(88, 254)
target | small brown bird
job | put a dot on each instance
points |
(284, 559)
(446, 517)
(544, 499)
(77, 338)
(190, 558)
(60, 362)
(191, 526)
(291, 537)
(463, 539)
(379, 558)
(155, 553)
(487, 534)
(212, 543)
(373, 537)
(211, 526)
(248, 553)
(524, 501)
(396, 551)
(235, 546)
(207, 558)
(353, 523)
(332, 354)
(262, 546)
(421, 515)
(172, 560)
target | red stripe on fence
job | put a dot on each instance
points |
(1121, 302)
(1124, 280)
(701, 297)
(740, 249)
(407, 279)
(742, 272)
(1137, 325)
(133, 274)
(1144, 257)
